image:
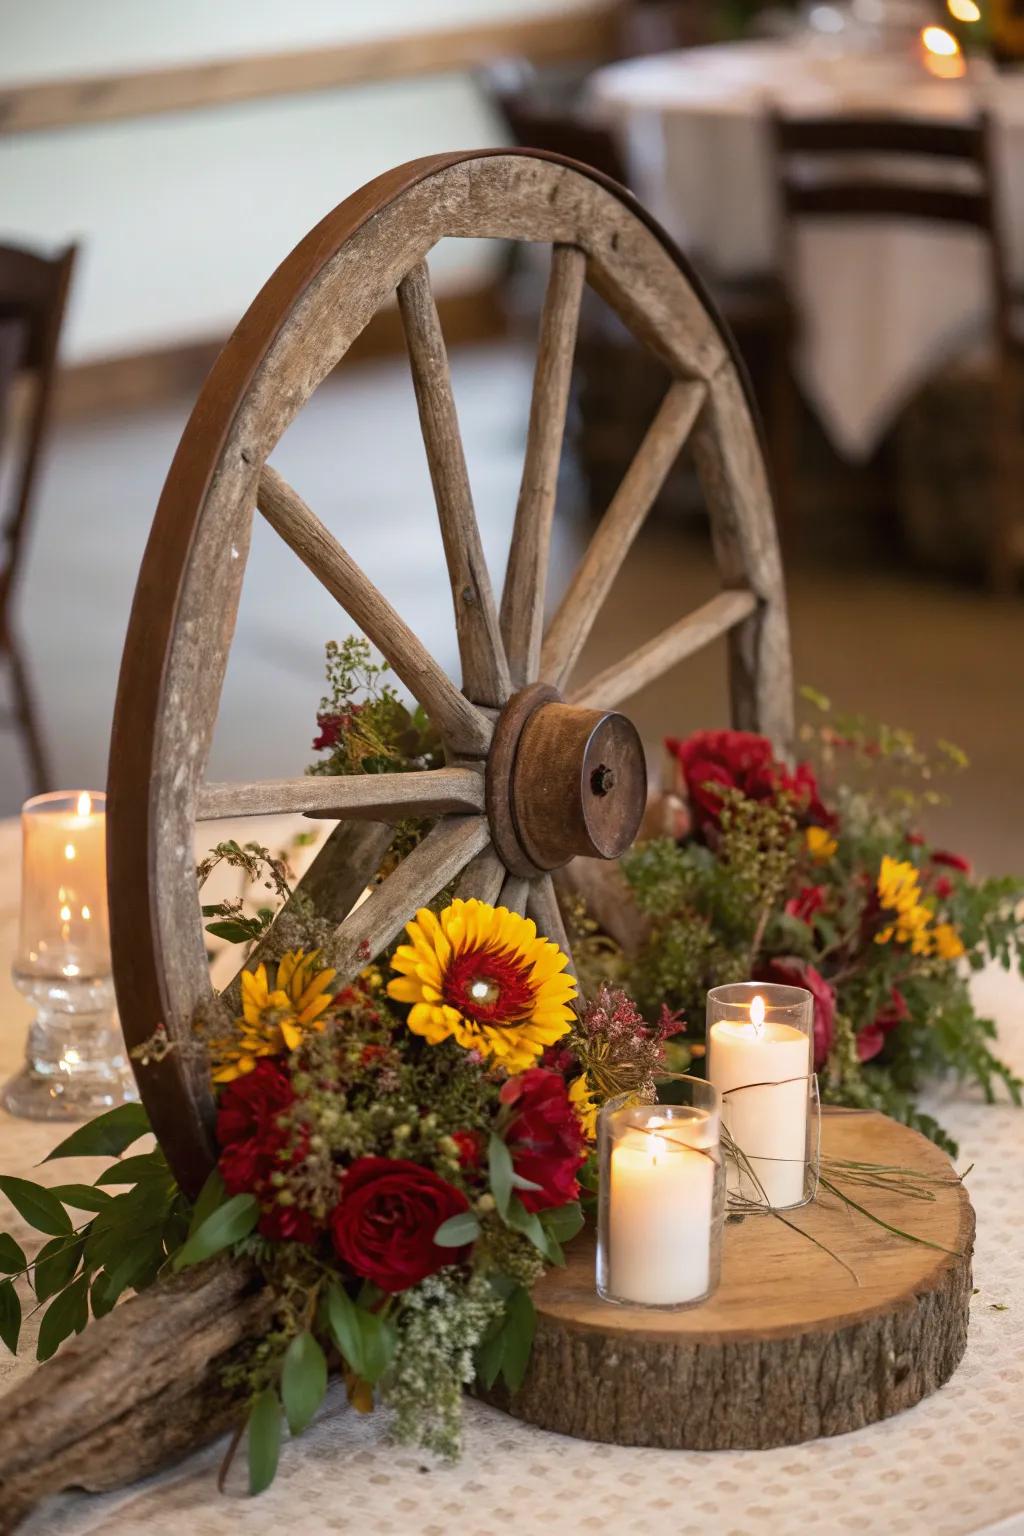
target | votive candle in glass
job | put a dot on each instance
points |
(760, 1057)
(75, 1058)
(661, 1200)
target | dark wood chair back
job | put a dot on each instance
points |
(535, 125)
(934, 172)
(33, 294)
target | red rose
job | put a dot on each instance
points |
(809, 900)
(383, 1226)
(544, 1137)
(743, 761)
(254, 1145)
(792, 972)
(330, 730)
(952, 861)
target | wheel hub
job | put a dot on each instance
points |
(561, 782)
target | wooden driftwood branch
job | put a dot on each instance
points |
(134, 1392)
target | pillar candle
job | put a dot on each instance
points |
(769, 1122)
(659, 1218)
(64, 926)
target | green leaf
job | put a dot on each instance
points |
(490, 1355)
(530, 1225)
(264, 1440)
(68, 1313)
(564, 1221)
(133, 1170)
(227, 1225)
(55, 1265)
(106, 1136)
(303, 1381)
(520, 1321)
(10, 1315)
(81, 1197)
(499, 1162)
(12, 1259)
(457, 1230)
(103, 1296)
(210, 1196)
(235, 933)
(366, 1340)
(37, 1205)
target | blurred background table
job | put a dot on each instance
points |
(950, 1466)
(880, 306)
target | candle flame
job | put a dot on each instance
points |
(65, 914)
(757, 1014)
(963, 10)
(69, 850)
(84, 806)
(941, 53)
(86, 914)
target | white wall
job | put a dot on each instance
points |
(182, 217)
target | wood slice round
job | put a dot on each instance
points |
(791, 1346)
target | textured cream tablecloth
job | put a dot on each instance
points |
(882, 304)
(950, 1466)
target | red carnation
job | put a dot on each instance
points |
(952, 861)
(743, 761)
(544, 1137)
(793, 972)
(255, 1144)
(383, 1226)
(471, 1147)
(330, 730)
(871, 1038)
(807, 903)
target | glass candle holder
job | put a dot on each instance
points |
(75, 1061)
(760, 1057)
(661, 1200)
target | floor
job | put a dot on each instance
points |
(939, 659)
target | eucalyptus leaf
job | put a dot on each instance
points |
(12, 1259)
(264, 1440)
(457, 1230)
(227, 1225)
(303, 1381)
(106, 1136)
(41, 1209)
(499, 1163)
(10, 1315)
(343, 1320)
(67, 1313)
(564, 1221)
(366, 1340)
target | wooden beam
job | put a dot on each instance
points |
(70, 103)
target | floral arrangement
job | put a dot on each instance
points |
(819, 876)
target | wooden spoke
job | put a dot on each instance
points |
(464, 729)
(445, 850)
(522, 601)
(514, 894)
(332, 884)
(649, 661)
(542, 906)
(485, 674)
(618, 528)
(374, 796)
(482, 877)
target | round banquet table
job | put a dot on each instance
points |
(950, 1466)
(882, 304)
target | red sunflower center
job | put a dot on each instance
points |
(489, 986)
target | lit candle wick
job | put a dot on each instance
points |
(757, 1014)
(84, 805)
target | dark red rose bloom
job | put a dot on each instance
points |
(807, 903)
(544, 1137)
(951, 861)
(793, 972)
(384, 1223)
(471, 1147)
(943, 887)
(743, 761)
(330, 730)
(915, 839)
(254, 1145)
(871, 1038)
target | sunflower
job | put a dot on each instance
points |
(274, 1019)
(581, 1097)
(899, 891)
(482, 976)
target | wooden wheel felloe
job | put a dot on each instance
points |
(538, 770)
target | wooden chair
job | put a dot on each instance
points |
(860, 168)
(33, 294)
(660, 26)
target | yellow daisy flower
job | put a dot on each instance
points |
(948, 943)
(481, 975)
(821, 845)
(581, 1097)
(274, 1019)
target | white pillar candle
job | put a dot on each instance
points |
(768, 1122)
(659, 1217)
(64, 928)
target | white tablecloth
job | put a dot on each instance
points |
(880, 304)
(948, 1467)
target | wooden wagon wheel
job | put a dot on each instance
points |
(530, 779)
